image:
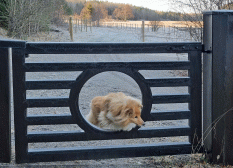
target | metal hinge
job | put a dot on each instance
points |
(207, 51)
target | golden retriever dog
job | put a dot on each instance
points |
(115, 111)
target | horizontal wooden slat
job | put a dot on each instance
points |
(49, 119)
(160, 99)
(110, 48)
(163, 99)
(168, 82)
(12, 44)
(170, 115)
(107, 152)
(82, 136)
(48, 102)
(49, 84)
(107, 66)
(67, 119)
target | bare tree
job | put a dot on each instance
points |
(123, 12)
(155, 25)
(100, 12)
(192, 10)
(79, 6)
(31, 16)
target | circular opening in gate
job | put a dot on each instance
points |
(109, 112)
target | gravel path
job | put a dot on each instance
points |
(102, 84)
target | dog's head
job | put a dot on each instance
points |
(133, 112)
(126, 111)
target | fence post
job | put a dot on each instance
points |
(143, 31)
(71, 29)
(81, 25)
(86, 24)
(76, 25)
(218, 85)
(5, 117)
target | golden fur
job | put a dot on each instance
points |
(115, 111)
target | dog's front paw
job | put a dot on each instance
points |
(129, 127)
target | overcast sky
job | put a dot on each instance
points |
(159, 5)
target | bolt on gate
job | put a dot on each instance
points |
(89, 69)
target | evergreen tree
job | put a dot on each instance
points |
(87, 11)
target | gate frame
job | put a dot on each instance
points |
(5, 97)
(22, 139)
(5, 116)
(20, 51)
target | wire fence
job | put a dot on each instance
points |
(177, 33)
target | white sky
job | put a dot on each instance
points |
(159, 5)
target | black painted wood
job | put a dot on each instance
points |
(5, 114)
(91, 69)
(49, 84)
(169, 82)
(195, 92)
(20, 106)
(111, 48)
(107, 66)
(83, 136)
(218, 86)
(48, 102)
(67, 119)
(107, 152)
(12, 44)
(163, 99)
(49, 119)
(170, 115)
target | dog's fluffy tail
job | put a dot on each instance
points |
(91, 118)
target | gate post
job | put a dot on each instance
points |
(5, 117)
(218, 85)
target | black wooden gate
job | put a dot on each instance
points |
(90, 69)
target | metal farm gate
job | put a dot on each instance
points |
(90, 69)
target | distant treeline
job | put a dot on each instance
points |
(120, 11)
(23, 17)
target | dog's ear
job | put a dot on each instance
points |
(129, 112)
